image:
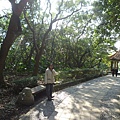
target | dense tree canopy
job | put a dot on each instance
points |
(69, 33)
(108, 13)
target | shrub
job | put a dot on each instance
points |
(25, 82)
(77, 74)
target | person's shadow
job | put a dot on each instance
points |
(48, 109)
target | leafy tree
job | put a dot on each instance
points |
(47, 19)
(108, 15)
(13, 32)
(71, 36)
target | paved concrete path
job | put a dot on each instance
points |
(97, 99)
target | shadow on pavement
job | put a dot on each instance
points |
(97, 99)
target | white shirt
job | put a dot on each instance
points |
(49, 76)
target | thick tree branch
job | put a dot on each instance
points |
(27, 21)
(83, 29)
(33, 31)
(18, 8)
(59, 10)
(54, 20)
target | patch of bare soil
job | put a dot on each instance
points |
(9, 110)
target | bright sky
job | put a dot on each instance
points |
(4, 6)
(117, 45)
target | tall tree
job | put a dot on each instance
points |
(14, 30)
(108, 16)
(47, 22)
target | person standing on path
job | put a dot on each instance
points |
(116, 72)
(49, 81)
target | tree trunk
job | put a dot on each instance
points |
(36, 65)
(11, 35)
(37, 58)
(8, 41)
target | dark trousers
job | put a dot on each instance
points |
(116, 72)
(49, 90)
(112, 73)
